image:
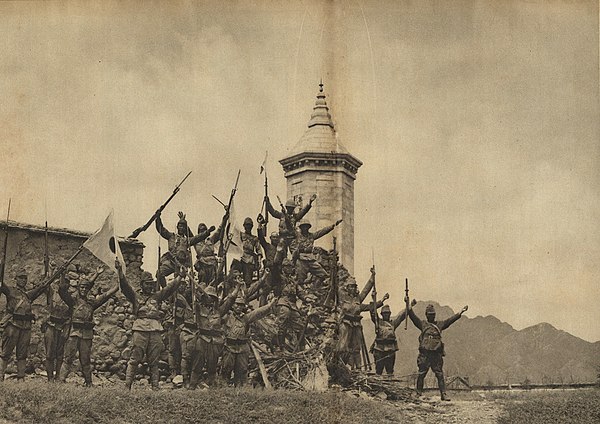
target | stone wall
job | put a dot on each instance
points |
(113, 320)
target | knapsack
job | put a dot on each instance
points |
(430, 338)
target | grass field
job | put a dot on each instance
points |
(39, 402)
(554, 406)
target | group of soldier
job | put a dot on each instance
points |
(211, 309)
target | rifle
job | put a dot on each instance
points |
(223, 245)
(47, 262)
(374, 295)
(144, 227)
(407, 305)
(5, 245)
(265, 201)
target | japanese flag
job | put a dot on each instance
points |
(103, 244)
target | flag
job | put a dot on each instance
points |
(263, 166)
(103, 244)
(235, 246)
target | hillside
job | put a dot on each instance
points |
(488, 350)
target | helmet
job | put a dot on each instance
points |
(248, 221)
(351, 282)
(274, 234)
(146, 278)
(240, 300)
(303, 223)
(385, 309)
(290, 203)
(202, 227)
(430, 310)
(286, 262)
(211, 291)
(21, 274)
(85, 283)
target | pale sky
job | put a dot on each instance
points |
(477, 123)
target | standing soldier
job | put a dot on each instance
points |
(237, 329)
(274, 253)
(306, 259)
(350, 329)
(385, 345)
(56, 328)
(287, 230)
(250, 251)
(147, 329)
(17, 322)
(173, 325)
(431, 348)
(178, 248)
(82, 325)
(206, 259)
(287, 315)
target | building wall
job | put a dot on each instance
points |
(335, 200)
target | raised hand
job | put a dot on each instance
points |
(313, 198)
(386, 297)
(373, 271)
(338, 222)
(464, 309)
(181, 215)
(212, 228)
(100, 269)
(413, 302)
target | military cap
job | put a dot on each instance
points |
(274, 234)
(202, 227)
(240, 299)
(287, 262)
(248, 221)
(211, 291)
(21, 274)
(146, 277)
(84, 282)
(430, 310)
(304, 222)
(385, 309)
(290, 203)
(351, 282)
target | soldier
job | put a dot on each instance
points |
(210, 336)
(82, 309)
(350, 329)
(431, 348)
(287, 230)
(287, 315)
(17, 322)
(206, 259)
(250, 251)
(274, 253)
(147, 329)
(385, 345)
(237, 328)
(306, 261)
(56, 328)
(179, 248)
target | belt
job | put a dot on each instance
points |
(237, 342)
(57, 320)
(386, 341)
(211, 333)
(83, 325)
(24, 317)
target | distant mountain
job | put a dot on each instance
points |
(488, 350)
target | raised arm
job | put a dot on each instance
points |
(63, 292)
(257, 285)
(126, 288)
(272, 211)
(201, 236)
(415, 319)
(228, 302)
(369, 306)
(305, 208)
(164, 233)
(103, 298)
(448, 322)
(402, 315)
(368, 286)
(260, 313)
(170, 288)
(96, 273)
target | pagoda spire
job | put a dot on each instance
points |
(320, 115)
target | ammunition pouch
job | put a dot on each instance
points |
(79, 325)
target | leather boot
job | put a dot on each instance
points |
(129, 376)
(442, 387)
(154, 376)
(21, 364)
(3, 364)
(50, 370)
(420, 384)
(87, 375)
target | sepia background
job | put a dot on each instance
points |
(477, 123)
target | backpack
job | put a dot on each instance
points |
(431, 338)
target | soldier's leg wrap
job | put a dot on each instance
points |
(9, 342)
(423, 365)
(227, 364)
(390, 361)
(85, 359)
(70, 353)
(343, 344)
(50, 345)
(22, 351)
(174, 351)
(187, 353)
(437, 364)
(138, 348)
(198, 360)
(154, 350)
(378, 357)
(240, 371)
(212, 358)
(61, 337)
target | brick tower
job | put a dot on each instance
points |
(319, 164)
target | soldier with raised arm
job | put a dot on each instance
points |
(306, 261)
(56, 328)
(274, 254)
(179, 248)
(206, 259)
(431, 348)
(287, 229)
(250, 251)
(17, 322)
(350, 328)
(147, 328)
(237, 333)
(81, 335)
(386, 344)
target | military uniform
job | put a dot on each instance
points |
(237, 350)
(250, 249)
(386, 344)
(287, 314)
(56, 333)
(17, 325)
(306, 259)
(288, 230)
(206, 259)
(274, 255)
(147, 328)
(173, 323)
(82, 328)
(179, 251)
(431, 348)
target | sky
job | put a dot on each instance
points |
(477, 122)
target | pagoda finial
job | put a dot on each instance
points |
(321, 85)
(320, 115)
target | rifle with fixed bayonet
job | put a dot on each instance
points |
(406, 300)
(3, 264)
(374, 296)
(224, 237)
(159, 210)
